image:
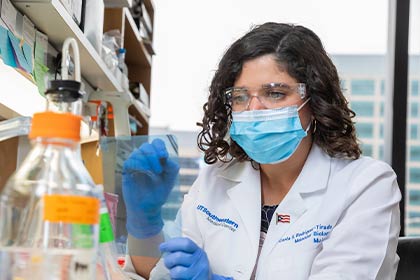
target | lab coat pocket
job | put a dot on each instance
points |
(294, 265)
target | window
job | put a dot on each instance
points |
(362, 87)
(415, 175)
(364, 130)
(382, 87)
(381, 131)
(414, 110)
(381, 109)
(414, 87)
(414, 197)
(414, 219)
(367, 150)
(381, 152)
(362, 108)
(414, 131)
(415, 153)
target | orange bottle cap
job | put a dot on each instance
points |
(55, 125)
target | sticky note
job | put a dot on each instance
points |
(6, 48)
(40, 70)
(27, 52)
(18, 53)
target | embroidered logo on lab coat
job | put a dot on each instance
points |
(217, 221)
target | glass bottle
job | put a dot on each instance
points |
(49, 210)
(64, 96)
(107, 259)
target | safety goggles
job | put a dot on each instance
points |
(271, 95)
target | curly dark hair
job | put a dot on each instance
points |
(300, 52)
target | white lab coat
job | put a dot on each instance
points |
(344, 221)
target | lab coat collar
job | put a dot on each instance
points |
(245, 192)
(245, 195)
(313, 177)
(315, 172)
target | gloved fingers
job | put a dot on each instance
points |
(160, 148)
(179, 244)
(144, 159)
(171, 169)
(181, 272)
(178, 258)
(152, 156)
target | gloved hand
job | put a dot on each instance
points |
(185, 260)
(148, 177)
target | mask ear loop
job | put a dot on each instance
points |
(300, 107)
(303, 104)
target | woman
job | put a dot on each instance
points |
(287, 194)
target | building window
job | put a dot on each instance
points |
(414, 175)
(362, 108)
(414, 87)
(414, 109)
(414, 131)
(414, 219)
(414, 197)
(415, 153)
(382, 87)
(381, 131)
(364, 130)
(382, 109)
(381, 152)
(367, 150)
(362, 87)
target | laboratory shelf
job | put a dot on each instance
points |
(118, 3)
(137, 53)
(25, 100)
(140, 111)
(18, 95)
(51, 18)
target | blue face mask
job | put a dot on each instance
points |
(268, 136)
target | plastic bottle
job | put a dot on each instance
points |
(49, 210)
(121, 61)
(108, 260)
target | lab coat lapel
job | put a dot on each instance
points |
(286, 214)
(246, 198)
(312, 179)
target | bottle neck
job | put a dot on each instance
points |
(60, 102)
(57, 142)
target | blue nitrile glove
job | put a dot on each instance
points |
(148, 178)
(185, 260)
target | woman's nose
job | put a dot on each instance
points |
(255, 103)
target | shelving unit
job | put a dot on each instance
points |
(51, 18)
(18, 101)
(137, 57)
(138, 60)
(118, 3)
